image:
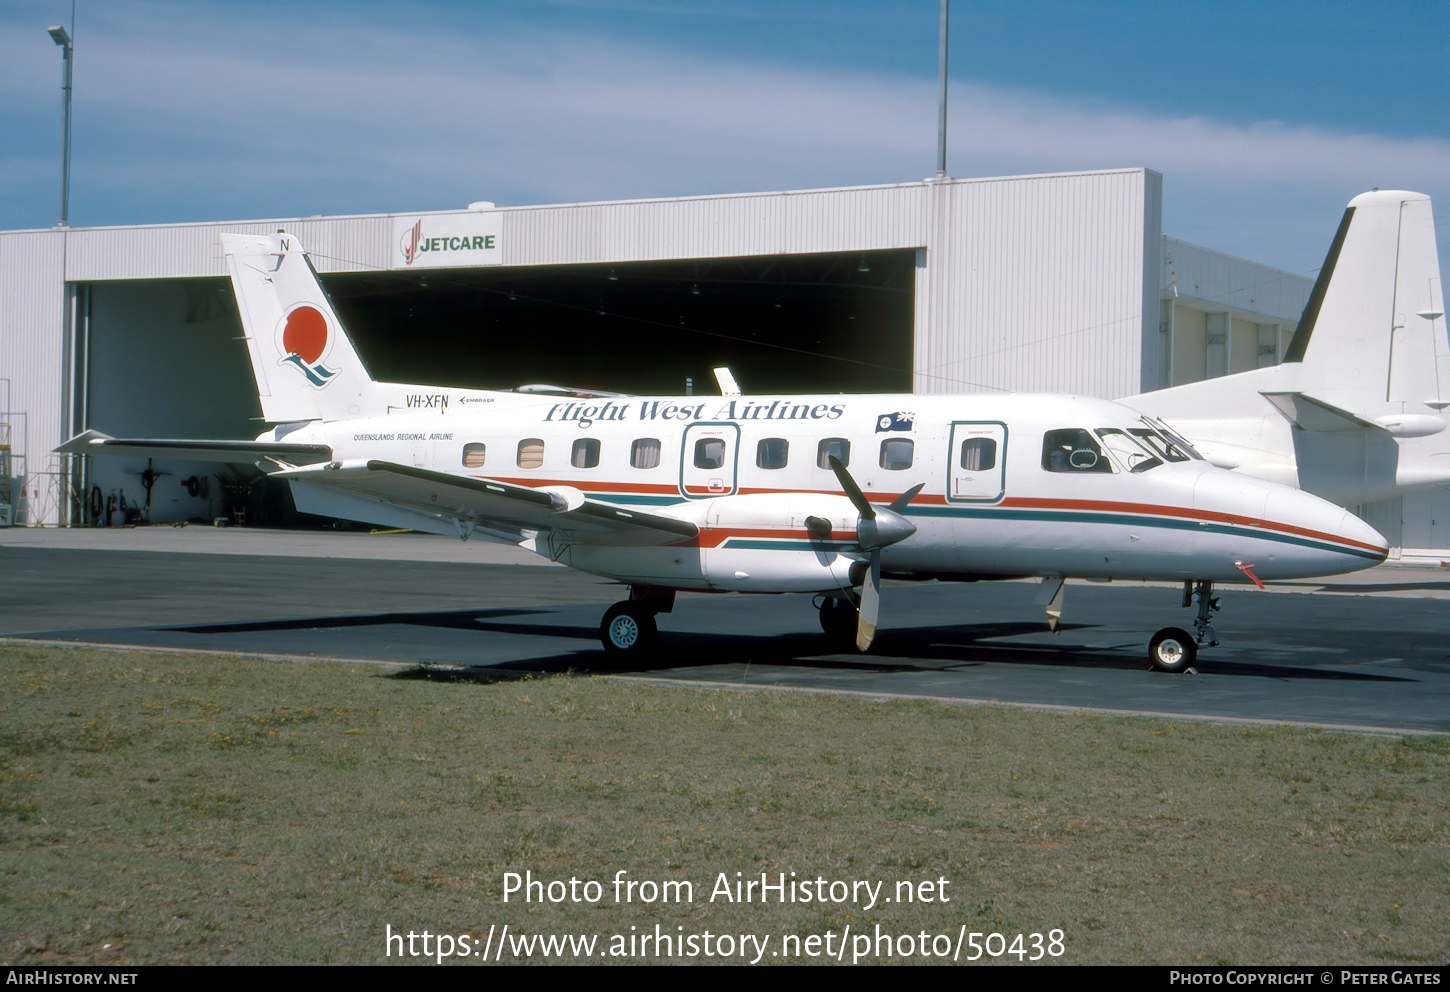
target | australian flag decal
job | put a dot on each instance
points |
(895, 422)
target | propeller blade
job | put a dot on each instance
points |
(900, 502)
(853, 491)
(870, 603)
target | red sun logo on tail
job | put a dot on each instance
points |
(305, 334)
(304, 342)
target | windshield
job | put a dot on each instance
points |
(1161, 446)
(1128, 451)
(1173, 447)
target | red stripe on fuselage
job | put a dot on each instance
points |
(1020, 502)
(1150, 509)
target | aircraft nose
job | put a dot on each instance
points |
(1318, 519)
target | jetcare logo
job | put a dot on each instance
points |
(304, 338)
(453, 240)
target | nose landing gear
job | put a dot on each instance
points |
(1173, 649)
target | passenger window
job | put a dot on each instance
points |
(837, 446)
(585, 454)
(1073, 450)
(979, 454)
(531, 452)
(709, 452)
(473, 455)
(1128, 451)
(645, 453)
(772, 452)
(896, 453)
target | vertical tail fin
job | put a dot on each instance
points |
(1373, 333)
(305, 364)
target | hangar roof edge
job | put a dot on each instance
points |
(950, 180)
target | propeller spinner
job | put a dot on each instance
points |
(879, 527)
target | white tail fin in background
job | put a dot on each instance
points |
(305, 365)
(1372, 338)
(1356, 411)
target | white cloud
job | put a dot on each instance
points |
(182, 116)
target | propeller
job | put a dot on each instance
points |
(879, 527)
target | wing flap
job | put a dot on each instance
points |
(499, 506)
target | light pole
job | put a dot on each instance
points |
(62, 38)
(941, 117)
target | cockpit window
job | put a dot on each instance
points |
(1127, 451)
(1173, 437)
(1164, 448)
(1073, 450)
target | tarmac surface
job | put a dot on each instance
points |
(1368, 651)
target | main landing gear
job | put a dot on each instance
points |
(1173, 649)
(628, 630)
(839, 619)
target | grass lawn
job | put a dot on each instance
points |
(160, 808)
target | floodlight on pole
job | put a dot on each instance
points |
(62, 38)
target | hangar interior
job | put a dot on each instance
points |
(830, 322)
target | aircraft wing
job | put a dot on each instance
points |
(463, 503)
(96, 443)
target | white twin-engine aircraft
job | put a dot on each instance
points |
(765, 494)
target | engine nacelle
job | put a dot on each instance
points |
(778, 542)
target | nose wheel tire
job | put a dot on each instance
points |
(1172, 650)
(628, 631)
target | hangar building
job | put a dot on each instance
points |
(1061, 282)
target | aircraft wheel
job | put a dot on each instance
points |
(1172, 650)
(838, 620)
(628, 631)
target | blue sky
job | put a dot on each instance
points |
(1264, 118)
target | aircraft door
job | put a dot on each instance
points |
(976, 462)
(708, 460)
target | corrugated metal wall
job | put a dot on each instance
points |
(1213, 277)
(1037, 284)
(32, 355)
(179, 251)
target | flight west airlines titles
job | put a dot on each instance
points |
(788, 409)
(812, 494)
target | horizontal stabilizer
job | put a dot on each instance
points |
(1319, 416)
(96, 443)
(1309, 414)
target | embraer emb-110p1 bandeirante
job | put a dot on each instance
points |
(769, 494)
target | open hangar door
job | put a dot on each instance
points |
(165, 358)
(838, 322)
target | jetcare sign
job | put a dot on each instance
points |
(434, 241)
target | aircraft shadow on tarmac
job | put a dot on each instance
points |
(913, 649)
(455, 620)
(916, 649)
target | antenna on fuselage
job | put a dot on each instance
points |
(728, 385)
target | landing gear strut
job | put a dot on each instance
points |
(628, 630)
(1207, 604)
(1173, 649)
